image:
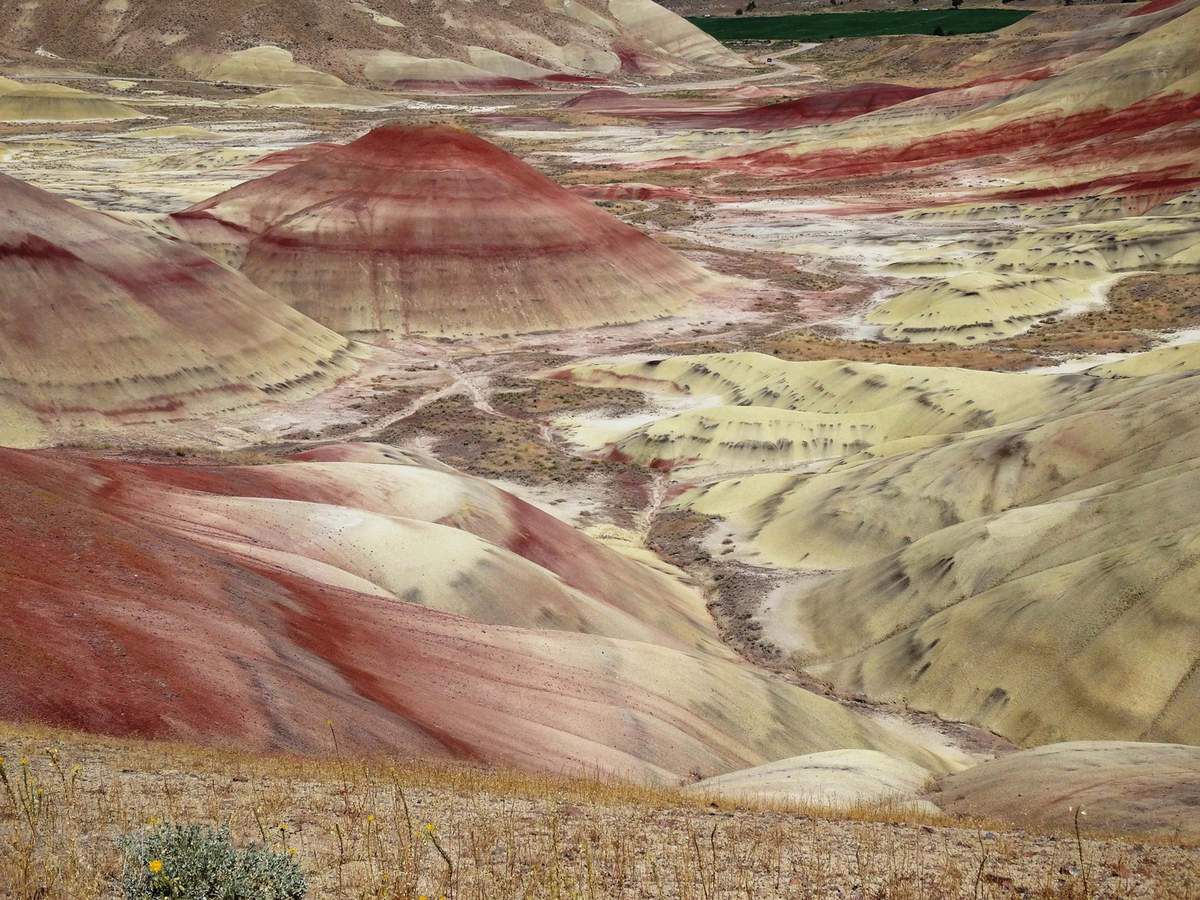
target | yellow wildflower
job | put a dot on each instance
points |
(155, 866)
(24, 760)
(291, 851)
(370, 818)
(430, 828)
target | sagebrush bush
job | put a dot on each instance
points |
(198, 862)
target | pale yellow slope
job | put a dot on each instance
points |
(861, 510)
(671, 33)
(943, 400)
(723, 438)
(835, 779)
(47, 102)
(774, 414)
(1184, 357)
(1072, 619)
(976, 307)
(262, 65)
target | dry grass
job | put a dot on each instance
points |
(398, 829)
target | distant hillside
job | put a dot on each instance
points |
(384, 42)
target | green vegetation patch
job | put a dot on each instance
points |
(826, 26)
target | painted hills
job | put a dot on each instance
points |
(998, 548)
(426, 613)
(103, 323)
(432, 230)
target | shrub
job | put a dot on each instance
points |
(198, 862)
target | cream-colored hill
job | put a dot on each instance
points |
(836, 779)
(390, 68)
(175, 132)
(340, 96)
(1015, 550)
(756, 411)
(1120, 786)
(666, 31)
(264, 64)
(38, 101)
(504, 65)
(1091, 250)
(735, 438)
(865, 508)
(1172, 358)
(976, 307)
(945, 400)
(1073, 618)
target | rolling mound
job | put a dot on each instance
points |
(978, 306)
(46, 102)
(1121, 786)
(434, 230)
(385, 43)
(819, 410)
(835, 779)
(104, 324)
(1043, 623)
(865, 508)
(208, 630)
(1017, 550)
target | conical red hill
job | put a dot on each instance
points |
(102, 323)
(431, 229)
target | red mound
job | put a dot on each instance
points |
(827, 106)
(830, 106)
(431, 229)
(293, 155)
(1154, 6)
(1040, 135)
(104, 323)
(130, 608)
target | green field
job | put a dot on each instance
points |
(825, 26)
